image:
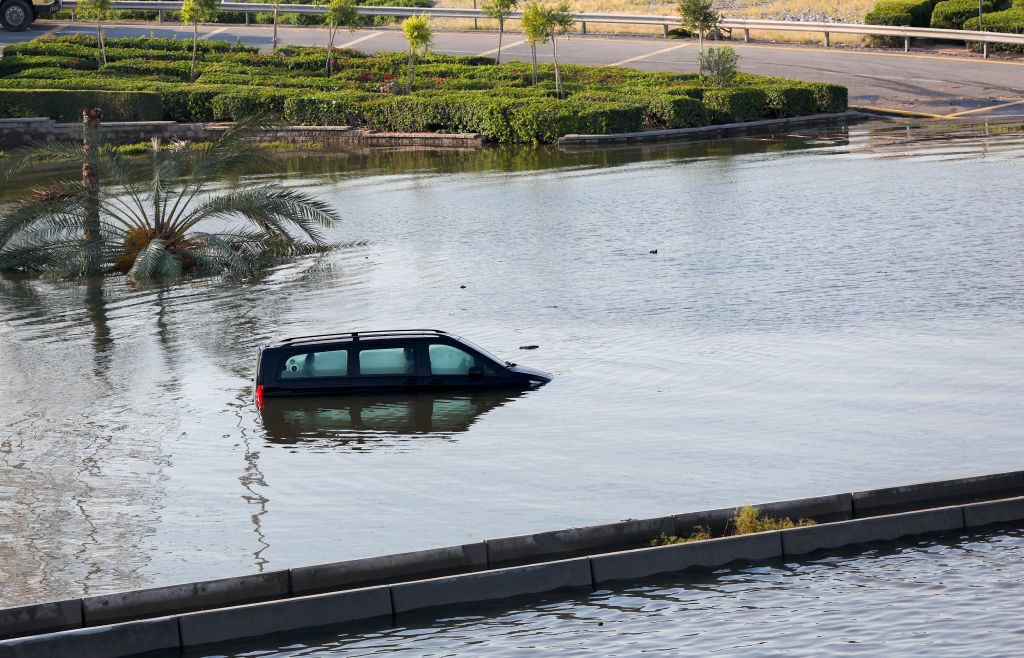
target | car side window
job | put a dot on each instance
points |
(387, 361)
(313, 365)
(448, 360)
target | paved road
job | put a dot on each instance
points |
(923, 82)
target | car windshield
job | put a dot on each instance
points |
(481, 350)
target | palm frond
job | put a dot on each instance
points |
(63, 198)
(63, 150)
(272, 208)
(154, 262)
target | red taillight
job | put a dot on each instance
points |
(259, 396)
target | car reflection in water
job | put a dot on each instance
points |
(365, 422)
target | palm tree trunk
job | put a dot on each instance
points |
(412, 70)
(195, 47)
(91, 182)
(501, 30)
(558, 76)
(533, 52)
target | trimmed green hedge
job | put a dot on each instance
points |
(735, 105)
(67, 105)
(451, 94)
(951, 14)
(1010, 21)
(917, 13)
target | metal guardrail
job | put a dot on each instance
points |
(667, 22)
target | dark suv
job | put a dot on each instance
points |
(383, 361)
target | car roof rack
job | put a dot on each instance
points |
(356, 335)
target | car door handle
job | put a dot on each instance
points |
(411, 381)
(435, 381)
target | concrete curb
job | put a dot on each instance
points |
(279, 616)
(699, 133)
(389, 568)
(161, 601)
(125, 639)
(481, 581)
(491, 585)
(644, 562)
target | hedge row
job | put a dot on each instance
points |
(952, 14)
(452, 94)
(67, 106)
(1010, 21)
(916, 13)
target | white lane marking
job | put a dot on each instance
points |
(503, 46)
(656, 52)
(361, 39)
(217, 31)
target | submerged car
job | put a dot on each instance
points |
(383, 361)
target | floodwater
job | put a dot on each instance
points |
(949, 596)
(825, 312)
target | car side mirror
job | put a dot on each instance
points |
(475, 373)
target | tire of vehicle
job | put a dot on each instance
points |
(16, 15)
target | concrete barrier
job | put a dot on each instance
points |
(491, 585)
(40, 618)
(640, 563)
(997, 511)
(799, 541)
(171, 599)
(128, 639)
(304, 612)
(555, 544)
(362, 572)
(889, 500)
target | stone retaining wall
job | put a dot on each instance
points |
(21, 132)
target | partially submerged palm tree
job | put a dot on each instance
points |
(150, 228)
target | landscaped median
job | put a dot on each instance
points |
(147, 79)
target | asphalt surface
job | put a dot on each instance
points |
(924, 82)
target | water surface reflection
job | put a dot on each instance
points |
(362, 422)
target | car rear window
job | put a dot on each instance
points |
(387, 361)
(313, 365)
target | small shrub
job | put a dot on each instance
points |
(748, 520)
(951, 14)
(719, 66)
(698, 533)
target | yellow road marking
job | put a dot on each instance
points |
(900, 112)
(836, 51)
(985, 109)
(217, 31)
(656, 52)
(361, 39)
(510, 45)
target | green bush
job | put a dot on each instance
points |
(736, 104)
(790, 100)
(830, 98)
(951, 14)
(917, 13)
(1010, 21)
(67, 105)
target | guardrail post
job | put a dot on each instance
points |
(984, 49)
(72, 15)
(583, 24)
(906, 44)
(160, 16)
(474, 19)
(664, 28)
(246, 18)
(746, 35)
(827, 40)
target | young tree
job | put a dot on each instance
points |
(96, 9)
(719, 66)
(339, 13)
(417, 32)
(543, 22)
(499, 10)
(196, 12)
(699, 15)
